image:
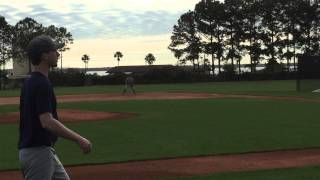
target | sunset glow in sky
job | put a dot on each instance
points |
(101, 27)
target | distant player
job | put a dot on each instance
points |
(129, 83)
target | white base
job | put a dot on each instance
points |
(316, 91)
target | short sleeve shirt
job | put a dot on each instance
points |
(37, 97)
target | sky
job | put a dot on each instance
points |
(102, 27)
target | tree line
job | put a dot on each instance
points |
(271, 31)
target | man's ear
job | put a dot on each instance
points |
(44, 56)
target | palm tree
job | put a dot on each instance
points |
(118, 55)
(150, 59)
(85, 58)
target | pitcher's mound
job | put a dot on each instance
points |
(66, 115)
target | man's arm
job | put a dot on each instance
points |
(48, 122)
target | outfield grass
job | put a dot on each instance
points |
(307, 173)
(274, 88)
(179, 128)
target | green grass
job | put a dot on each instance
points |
(172, 128)
(309, 84)
(274, 88)
(307, 173)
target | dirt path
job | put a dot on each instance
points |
(69, 115)
(154, 96)
(151, 170)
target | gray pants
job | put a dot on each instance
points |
(128, 86)
(41, 163)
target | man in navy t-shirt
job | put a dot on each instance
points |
(39, 124)
(37, 97)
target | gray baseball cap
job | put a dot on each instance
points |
(42, 44)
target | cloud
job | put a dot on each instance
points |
(94, 19)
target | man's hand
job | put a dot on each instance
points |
(85, 145)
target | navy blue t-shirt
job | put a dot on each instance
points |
(37, 97)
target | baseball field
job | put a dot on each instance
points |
(223, 130)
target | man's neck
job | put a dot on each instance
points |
(43, 69)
